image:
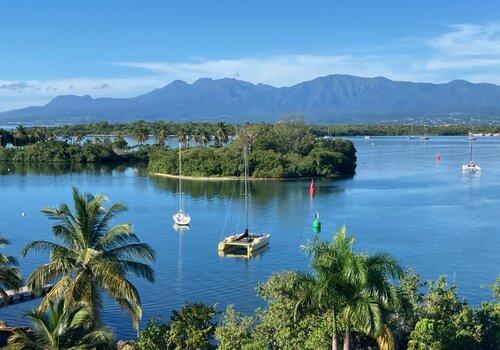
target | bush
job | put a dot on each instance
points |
(189, 328)
(62, 152)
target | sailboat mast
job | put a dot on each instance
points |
(245, 156)
(471, 150)
(180, 176)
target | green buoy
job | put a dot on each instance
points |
(316, 224)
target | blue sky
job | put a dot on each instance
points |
(125, 48)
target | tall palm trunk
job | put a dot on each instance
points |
(347, 340)
(334, 334)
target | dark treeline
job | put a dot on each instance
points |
(55, 151)
(196, 131)
(286, 149)
(401, 129)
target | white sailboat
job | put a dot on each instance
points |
(425, 137)
(247, 241)
(181, 218)
(412, 136)
(471, 168)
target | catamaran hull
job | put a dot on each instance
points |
(231, 242)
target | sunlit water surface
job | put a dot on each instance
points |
(401, 200)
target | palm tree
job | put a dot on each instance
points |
(92, 257)
(355, 288)
(141, 135)
(197, 137)
(206, 137)
(40, 135)
(182, 137)
(79, 136)
(63, 328)
(161, 135)
(21, 133)
(222, 134)
(10, 277)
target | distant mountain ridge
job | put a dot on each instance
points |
(330, 98)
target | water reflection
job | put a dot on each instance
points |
(7, 168)
(261, 191)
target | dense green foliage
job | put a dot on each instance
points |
(402, 129)
(92, 257)
(10, 278)
(62, 328)
(193, 131)
(62, 152)
(283, 150)
(189, 328)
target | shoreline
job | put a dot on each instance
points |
(237, 178)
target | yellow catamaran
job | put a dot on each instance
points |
(247, 241)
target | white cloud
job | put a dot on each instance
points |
(466, 46)
(18, 94)
(282, 70)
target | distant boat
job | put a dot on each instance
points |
(471, 168)
(472, 137)
(412, 136)
(181, 218)
(425, 137)
(247, 241)
(367, 137)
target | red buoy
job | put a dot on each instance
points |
(312, 188)
(438, 157)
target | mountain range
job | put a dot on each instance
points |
(342, 98)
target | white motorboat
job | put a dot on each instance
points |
(181, 218)
(247, 242)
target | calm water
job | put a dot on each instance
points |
(402, 201)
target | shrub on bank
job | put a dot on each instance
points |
(62, 152)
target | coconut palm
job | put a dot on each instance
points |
(221, 134)
(9, 273)
(20, 133)
(141, 135)
(40, 135)
(355, 288)
(182, 137)
(197, 137)
(79, 136)
(91, 257)
(206, 137)
(63, 328)
(161, 135)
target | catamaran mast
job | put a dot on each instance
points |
(245, 156)
(471, 150)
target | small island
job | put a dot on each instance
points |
(285, 150)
